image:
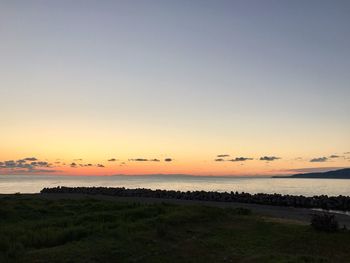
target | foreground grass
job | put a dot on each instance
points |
(38, 230)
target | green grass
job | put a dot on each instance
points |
(39, 230)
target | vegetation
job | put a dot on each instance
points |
(324, 222)
(91, 230)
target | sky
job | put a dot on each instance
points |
(84, 82)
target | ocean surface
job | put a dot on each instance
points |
(307, 187)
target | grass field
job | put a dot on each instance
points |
(89, 230)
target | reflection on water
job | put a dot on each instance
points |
(307, 187)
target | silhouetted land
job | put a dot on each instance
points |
(337, 174)
(92, 230)
(323, 201)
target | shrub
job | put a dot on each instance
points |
(324, 222)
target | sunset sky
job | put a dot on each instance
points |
(166, 87)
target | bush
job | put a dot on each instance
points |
(325, 222)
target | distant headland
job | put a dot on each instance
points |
(337, 174)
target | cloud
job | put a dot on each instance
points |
(77, 159)
(240, 159)
(269, 158)
(223, 155)
(149, 160)
(34, 165)
(10, 164)
(75, 165)
(112, 160)
(30, 159)
(333, 156)
(319, 160)
(42, 164)
(138, 160)
(219, 160)
(23, 165)
(144, 160)
(347, 153)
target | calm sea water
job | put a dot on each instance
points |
(307, 187)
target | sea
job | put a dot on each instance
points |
(10, 184)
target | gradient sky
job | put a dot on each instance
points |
(186, 80)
